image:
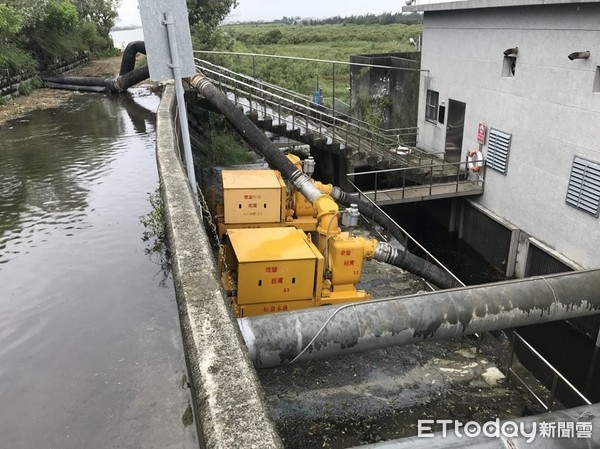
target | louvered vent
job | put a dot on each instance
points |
(498, 149)
(584, 186)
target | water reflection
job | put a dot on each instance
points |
(90, 348)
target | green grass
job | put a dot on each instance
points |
(28, 86)
(329, 42)
(15, 59)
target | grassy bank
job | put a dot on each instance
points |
(330, 42)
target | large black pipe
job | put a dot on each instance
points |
(319, 332)
(78, 88)
(257, 139)
(99, 84)
(129, 54)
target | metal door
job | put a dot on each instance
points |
(454, 130)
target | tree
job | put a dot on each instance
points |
(101, 12)
(205, 16)
(10, 21)
(31, 11)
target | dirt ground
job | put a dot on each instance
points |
(53, 98)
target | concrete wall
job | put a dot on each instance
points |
(230, 410)
(549, 107)
(400, 87)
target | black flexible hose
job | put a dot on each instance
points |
(79, 88)
(97, 84)
(76, 80)
(129, 54)
(244, 126)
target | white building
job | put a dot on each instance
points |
(505, 64)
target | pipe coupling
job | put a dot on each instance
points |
(336, 193)
(384, 252)
(116, 86)
(199, 81)
(305, 186)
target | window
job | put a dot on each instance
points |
(597, 80)
(431, 106)
(509, 66)
(498, 149)
(584, 186)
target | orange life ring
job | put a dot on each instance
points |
(475, 161)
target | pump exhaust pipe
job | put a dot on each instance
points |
(281, 338)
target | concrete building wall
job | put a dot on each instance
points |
(401, 87)
(549, 107)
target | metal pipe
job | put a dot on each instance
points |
(278, 339)
(579, 421)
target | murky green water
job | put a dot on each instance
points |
(90, 347)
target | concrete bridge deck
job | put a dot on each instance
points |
(423, 193)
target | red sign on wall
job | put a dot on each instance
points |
(481, 133)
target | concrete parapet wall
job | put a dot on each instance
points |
(229, 405)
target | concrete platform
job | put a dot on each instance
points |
(423, 193)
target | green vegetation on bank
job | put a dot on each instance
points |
(35, 33)
(322, 41)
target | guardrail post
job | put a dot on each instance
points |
(430, 176)
(333, 100)
(253, 66)
(457, 176)
(552, 393)
(375, 196)
(511, 355)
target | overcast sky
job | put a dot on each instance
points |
(249, 10)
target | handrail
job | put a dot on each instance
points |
(370, 140)
(549, 404)
(409, 237)
(252, 82)
(426, 170)
(325, 61)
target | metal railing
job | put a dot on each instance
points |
(410, 243)
(548, 404)
(451, 174)
(298, 111)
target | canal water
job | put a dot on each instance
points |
(90, 347)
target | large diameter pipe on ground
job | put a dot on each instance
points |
(257, 139)
(278, 339)
(99, 84)
(527, 434)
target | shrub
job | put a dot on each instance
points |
(10, 21)
(28, 86)
(14, 59)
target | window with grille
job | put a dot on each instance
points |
(584, 186)
(498, 150)
(431, 105)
